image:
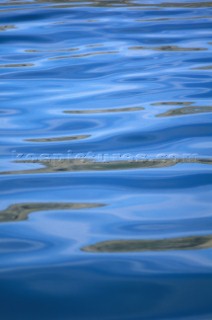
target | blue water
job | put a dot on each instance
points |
(105, 134)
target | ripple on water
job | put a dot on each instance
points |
(21, 211)
(186, 243)
(58, 139)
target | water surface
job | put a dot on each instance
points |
(105, 209)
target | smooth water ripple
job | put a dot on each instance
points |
(105, 112)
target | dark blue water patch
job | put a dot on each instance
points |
(139, 180)
(56, 290)
(163, 228)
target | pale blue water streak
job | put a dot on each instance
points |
(105, 113)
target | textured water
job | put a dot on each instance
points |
(105, 124)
